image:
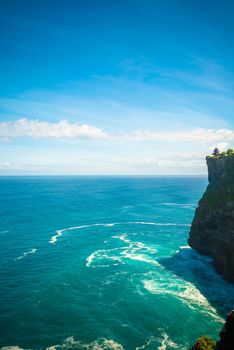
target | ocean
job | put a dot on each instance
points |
(103, 263)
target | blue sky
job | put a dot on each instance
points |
(114, 87)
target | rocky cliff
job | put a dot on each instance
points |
(212, 229)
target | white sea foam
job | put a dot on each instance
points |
(181, 205)
(135, 245)
(157, 223)
(55, 237)
(126, 208)
(61, 231)
(140, 257)
(14, 347)
(133, 251)
(162, 343)
(103, 254)
(149, 343)
(167, 343)
(31, 251)
(185, 247)
(185, 291)
(99, 344)
(107, 344)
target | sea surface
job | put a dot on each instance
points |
(103, 263)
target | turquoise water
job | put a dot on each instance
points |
(103, 263)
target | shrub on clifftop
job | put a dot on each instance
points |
(217, 154)
(230, 151)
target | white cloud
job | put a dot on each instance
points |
(7, 166)
(174, 163)
(66, 130)
(4, 165)
(205, 136)
(178, 159)
(222, 146)
(40, 129)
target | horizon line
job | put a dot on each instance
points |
(106, 175)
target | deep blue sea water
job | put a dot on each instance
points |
(103, 263)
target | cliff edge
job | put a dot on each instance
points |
(212, 229)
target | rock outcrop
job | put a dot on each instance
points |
(226, 341)
(212, 229)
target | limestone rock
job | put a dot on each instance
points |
(212, 229)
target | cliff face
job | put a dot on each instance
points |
(212, 229)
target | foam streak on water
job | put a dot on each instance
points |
(31, 251)
(117, 273)
(60, 232)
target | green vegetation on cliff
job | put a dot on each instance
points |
(215, 196)
(221, 178)
(217, 154)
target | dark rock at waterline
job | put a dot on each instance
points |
(226, 341)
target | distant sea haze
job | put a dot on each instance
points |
(103, 263)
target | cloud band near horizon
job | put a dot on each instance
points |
(37, 129)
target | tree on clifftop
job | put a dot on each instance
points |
(215, 152)
(230, 151)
